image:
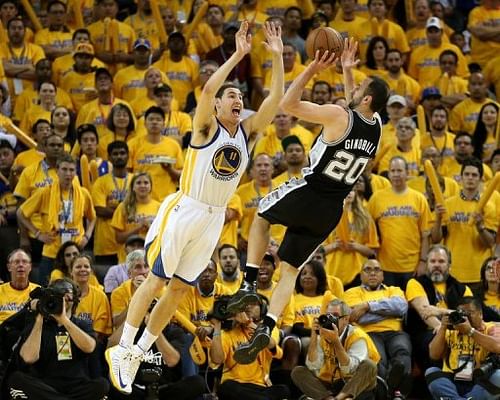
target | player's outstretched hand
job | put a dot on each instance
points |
(322, 62)
(348, 57)
(273, 41)
(243, 39)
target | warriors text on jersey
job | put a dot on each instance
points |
(336, 166)
(212, 172)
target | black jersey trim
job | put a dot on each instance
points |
(350, 121)
(373, 121)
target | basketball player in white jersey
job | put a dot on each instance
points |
(186, 230)
(311, 207)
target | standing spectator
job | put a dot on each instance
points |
(417, 35)
(376, 56)
(398, 80)
(14, 294)
(452, 87)
(292, 23)
(379, 310)
(402, 217)
(230, 275)
(469, 244)
(490, 290)
(482, 26)
(484, 137)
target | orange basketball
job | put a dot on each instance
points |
(324, 39)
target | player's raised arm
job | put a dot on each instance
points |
(203, 116)
(266, 112)
(349, 61)
(305, 110)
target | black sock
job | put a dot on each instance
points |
(268, 321)
(251, 272)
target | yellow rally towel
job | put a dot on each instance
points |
(56, 204)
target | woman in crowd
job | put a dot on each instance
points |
(484, 137)
(47, 93)
(136, 213)
(121, 123)
(490, 293)
(376, 53)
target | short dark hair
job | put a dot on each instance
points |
(228, 246)
(154, 110)
(222, 89)
(15, 19)
(5, 144)
(379, 91)
(39, 122)
(81, 30)
(496, 152)
(56, 2)
(448, 52)
(441, 108)
(460, 134)
(317, 83)
(320, 274)
(120, 106)
(5, 93)
(116, 145)
(85, 128)
(473, 162)
(394, 50)
(292, 8)
(65, 157)
(462, 301)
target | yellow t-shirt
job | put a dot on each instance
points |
(29, 97)
(492, 300)
(229, 234)
(449, 86)
(95, 308)
(379, 182)
(250, 198)
(404, 85)
(287, 317)
(12, 300)
(424, 63)
(349, 28)
(336, 261)
(359, 294)
(417, 37)
(121, 222)
(451, 168)
(401, 220)
(29, 157)
(336, 80)
(142, 158)
(308, 308)
(483, 50)
(414, 289)
(444, 143)
(412, 158)
(451, 187)
(464, 115)
(463, 239)
(491, 72)
(104, 141)
(183, 76)
(56, 39)
(230, 287)
(270, 144)
(254, 373)
(196, 306)
(289, 77)
(120, 297)
(81, 88)
(31, 115)
(177, 124)
(64, 64)
(113, 188)
(389, 136)
(39, 203)
(128, 83)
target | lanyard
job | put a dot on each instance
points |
(66, 205)
(45, 169)
(444, 145)
(16, 59)
(120, 192)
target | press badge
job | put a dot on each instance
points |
(63, 346)
(66, 235)
(466, 373)
(18, 86)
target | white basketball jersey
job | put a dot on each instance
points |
(212, 172)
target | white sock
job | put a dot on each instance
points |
(146, 340)
(128, 335)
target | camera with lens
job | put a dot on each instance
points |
(50, 301)
(490, 364)
(327, 320)
(457, 317)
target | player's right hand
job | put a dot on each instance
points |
(348, 56)
(243, 39)
(322, 62)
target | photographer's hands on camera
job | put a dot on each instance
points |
(59, 318)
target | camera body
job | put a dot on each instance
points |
(50, 301)
(326, 321)
(490, 364)
(457, 317)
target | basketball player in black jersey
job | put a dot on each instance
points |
(311, 207)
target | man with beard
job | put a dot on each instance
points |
(399, 82)
(230, 276)
(431, 296)
(295, 158)
(108, 192)
(337, 159)
(438, 136)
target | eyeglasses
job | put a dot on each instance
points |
(369, 270)
(207, 71)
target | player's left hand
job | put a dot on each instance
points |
(348, 57)
(273, 41)
(322, 62)
(243, 40)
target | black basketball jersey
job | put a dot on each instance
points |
(335, 167)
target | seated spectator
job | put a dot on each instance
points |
(159, 373)
(379, 310)
(341, 361)
(490, 291)
(463, 342)
(250, 380)
(117, 274)
(15, 294)
(376, 56)
(54, 351)
(430, 296)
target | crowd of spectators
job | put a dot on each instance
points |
(96, 106)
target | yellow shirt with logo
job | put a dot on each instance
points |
(464, 115)
(250, 198)
(95, 308)
(401, 220)
(463, 239)
(55, 39)
(142, 157)
(28, 157)
(13, 300)
(64, 64)
(451, 187)
(360, 294)
(177, 124)
(29, 97)
(484, 50)
(80, 87)
(128, 83)
(404, 85)
(230, 286)
(308, 308)
(412, 158)
(121, 222)
(107, 188)
(287, 317)
(414, 289)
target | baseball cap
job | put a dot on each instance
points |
(269, 257)
(291, 139)
(433, 22)
(133, 239)
(431, 92)
(397, 99)
(84, 48)
(142, 43)
(103, 71)
(162, 88)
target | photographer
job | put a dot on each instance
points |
(54, 349)
(250, 381)
(463, 342)
(341, 360)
